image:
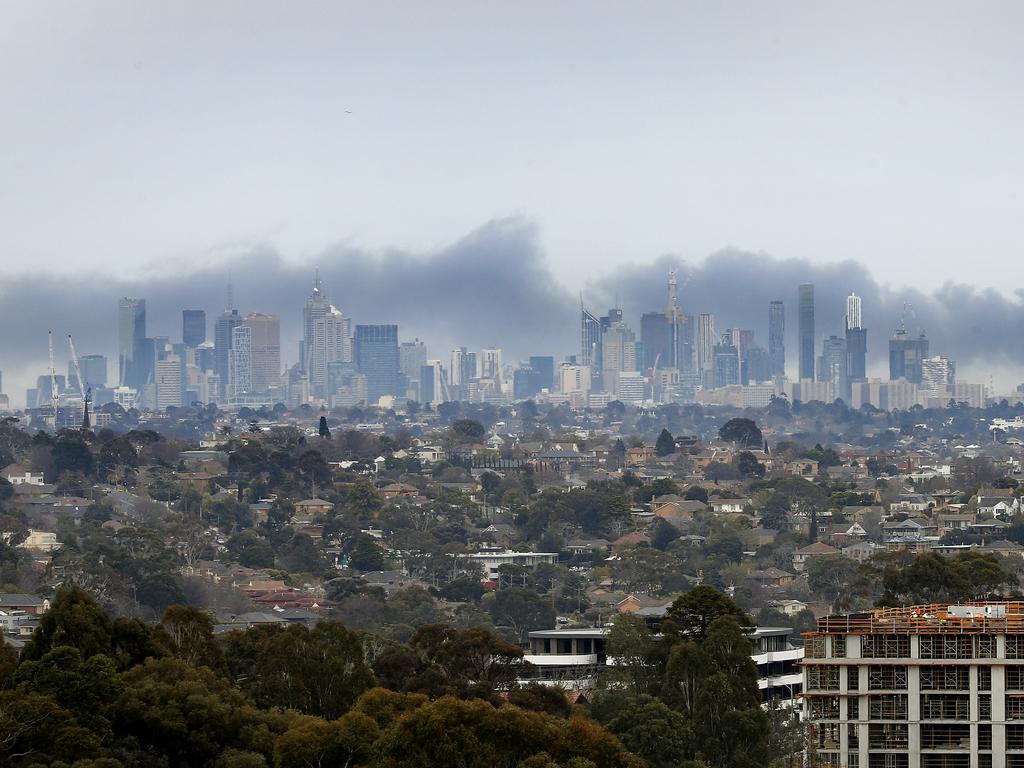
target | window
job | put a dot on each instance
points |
(825, 708)
(1014, 678)
(945, 678)
(852, 735)
(1015, 736)
(826, 735)
(852, 678)
(946, 647)
(852, 760)
(986, 645)
(885, 646)
(936, 736)
(984, 678)
(887, 678)
(839, 646)
(822, 677)
(945, 706)
(888, 760)
(852, 708)
(1014, 706)
(814, 647)
(887, 736)
(946, 761)
(825, 760)
(985, 706)
(888, 707)
(1015, 646)
(985, 736)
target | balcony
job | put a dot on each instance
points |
(561, 659)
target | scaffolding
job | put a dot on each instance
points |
(988, 617)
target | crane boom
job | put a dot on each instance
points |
(78, 371)
(54, 395)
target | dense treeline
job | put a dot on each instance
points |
(96, 692)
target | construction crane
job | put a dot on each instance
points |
(54, 395)
(86, 393)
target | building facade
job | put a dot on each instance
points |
(930, 686)
(805, 305)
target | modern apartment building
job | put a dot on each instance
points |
(573, 658)
(928, 686)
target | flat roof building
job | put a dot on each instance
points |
(927, 686)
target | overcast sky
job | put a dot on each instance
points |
(145, 136)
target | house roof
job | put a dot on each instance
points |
(817, 548)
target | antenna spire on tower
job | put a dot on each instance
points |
(230, 292)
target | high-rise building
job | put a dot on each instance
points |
(856, 340)
(376, 355)
(240, 370)
(917, 686)
(573, 378)
(326, 337)
(726, 365)
(805, 318)
(131, 326)
(776, 338)
(432, 386)
(265, 351)
(832, 366)
(938, 376)
(853, 315)
(706, 347)
(412, 356)
(544, 368)
(193, 327)
(94, 372)
(590, 339)
(222, 337)
(168, 380)
(905, 356)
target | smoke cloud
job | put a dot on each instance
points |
(493, 287)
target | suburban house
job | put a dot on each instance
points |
(817, 549)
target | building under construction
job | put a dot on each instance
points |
(927, 686)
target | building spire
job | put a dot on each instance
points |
(316, 280)
(230, 292)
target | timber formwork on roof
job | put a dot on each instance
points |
(995, 618)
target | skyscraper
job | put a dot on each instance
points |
(326, 338)
(131, 328)
(706, 347)
(265, 351)
(806, 330)
(193, 327)
(544, 368)
(776, 338)
(832, 366)
(938, 376)
(376, 353)
(94, 371)
(856, 340)
(590, 339)
(222, 339)
(240, 377)
(905, 356)
(853, 318)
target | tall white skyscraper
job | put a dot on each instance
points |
(265, 351)
(326, 338)
(853, 317)
(705, 343)
(240, 381)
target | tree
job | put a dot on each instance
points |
(302, 555)
(325, 432)
(74, 619)
(696, 493)
(833, 577)
(468, 431)
(665, 444)
(522, 610)
(363, 553)
(312, 743)
(646, 726)
(748, 465)
(695, 611)
(189, 636)
(319, 671)
(742, 432)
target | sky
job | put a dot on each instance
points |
(145, 142)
